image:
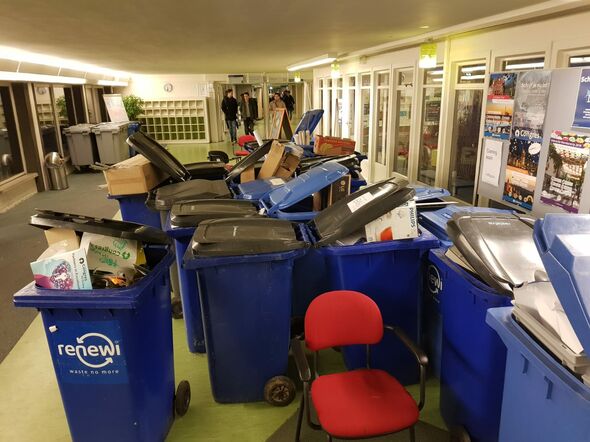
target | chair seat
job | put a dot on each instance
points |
(242, 153)
(245, 139)
(362, 403)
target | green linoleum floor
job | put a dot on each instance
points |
(31, 406)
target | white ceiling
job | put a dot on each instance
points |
(207, 36)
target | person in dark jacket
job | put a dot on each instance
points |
(229, 106)
(248, 112)
(289, 102)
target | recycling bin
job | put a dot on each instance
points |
(134, 209)
(110, 139)
(82, 144)
(112, 348)
(387, 271)
(180, 226)
(244, 269)
(499, 249)
(547, 382)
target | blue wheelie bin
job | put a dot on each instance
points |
(387, 271)
(244, 269)
(492, 254)
(112, 348)
(180, 226)
(547, 382)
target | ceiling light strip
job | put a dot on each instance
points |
(41, 78)
(318, 61)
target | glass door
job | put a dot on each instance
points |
(11, 163)
(469, 90)
(349, 119)
(320, 129)
(338, 108)
(430, 124)
(365, 126)
(403, 121)
(45, 108)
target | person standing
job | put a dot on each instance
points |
(289, 102)
(229, 106)
(248, 112)
(276, 102)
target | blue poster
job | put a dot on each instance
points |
(88, 352)
(582, 117)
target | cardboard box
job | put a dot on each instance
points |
(400, 223)
(333, 145)
(133, 176)
(278, 163)
(248, 175)
(332, 193)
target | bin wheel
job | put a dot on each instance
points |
(279, 391)
(177, 308)
(182, 399)
(459, 434)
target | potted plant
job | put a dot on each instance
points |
(133, 106)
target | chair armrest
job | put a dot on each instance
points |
(297, 348)
(411, 345)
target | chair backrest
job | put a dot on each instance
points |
(245, 139)
(342, 317)
(218, 155)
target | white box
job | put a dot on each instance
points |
(400, 223)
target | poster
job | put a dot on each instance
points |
(491, 161)
(500, 104)
(526, 138)
(565, 170)
(115, 108)
(582, 115)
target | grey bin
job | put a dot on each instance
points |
(80, 143)
(111, 140)
(57, 171)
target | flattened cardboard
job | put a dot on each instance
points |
(333, 146)
(133, 176)
(248, 175)
(287, 167)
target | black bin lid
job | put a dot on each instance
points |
(245, 236)
(352, 213)
(207, 170)
(248, 161)
(171, 194)
(351, 161)
(159, 156)
(500, 247)
(192, 213)
(48, 219)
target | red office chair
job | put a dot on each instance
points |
(242, 142)
(360, 403)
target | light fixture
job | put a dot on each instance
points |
(473, 77)
(40, 78)
(335, 71)
(8, 53)
(579, 60)
(469, 69)
(318, 61)
(427, 56)
(531, 65)
(297, 77)
(112, 83)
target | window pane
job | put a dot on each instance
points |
(321, 83)
(429, 137)
(402, 130)
(383, 79)
(405, 78)
(382, 124)
(46, 118)
(579, 60)
(351, 81)
(365, 121)
(474, 73)
(64, 107)
(351, 111)
(329, 82)
(433, 75)
(320, 129)
(339, 82)
(366, 80)
(338, 110)
(465, 142)
(523, 64)
(329, 104)
(10, 158)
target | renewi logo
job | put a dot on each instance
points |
(585, 79)
(95, 355)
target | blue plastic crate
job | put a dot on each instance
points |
(543, 401)
(246, 302)
(473, 357)
(112, 355)
(134, 209)
(390, 272)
